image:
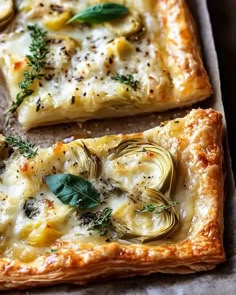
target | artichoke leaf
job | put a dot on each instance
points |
(88, 164)
(148, 226)
(126, 25)
(153, 155)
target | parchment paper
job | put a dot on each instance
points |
(222, 280)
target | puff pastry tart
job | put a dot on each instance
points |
(142, 56)
(114, 206)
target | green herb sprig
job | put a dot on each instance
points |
(36, 62)
(157, 208)
(102, 221)
(100, 13)
(128, 80)
(26, 148)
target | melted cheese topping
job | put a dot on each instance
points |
(28, 231)
(83, 59)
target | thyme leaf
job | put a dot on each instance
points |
(128, 80)
(36, 62)
(156, 208)
(26, 148)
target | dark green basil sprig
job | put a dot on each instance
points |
(73, 190)
(100, 13)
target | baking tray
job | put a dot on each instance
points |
(222, 280)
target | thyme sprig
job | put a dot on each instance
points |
(101, 223)
(157, 208)
(36, 61)
(128, 80)
(26, 148)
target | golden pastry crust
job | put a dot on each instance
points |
(163, 56)
(187, 70)
(196, 140)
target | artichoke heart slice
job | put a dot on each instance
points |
(131, 223)
(146, 158)
(6, 12)
(126, 25)
(87, 163)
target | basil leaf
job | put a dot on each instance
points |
(100, 13)
(73, 190)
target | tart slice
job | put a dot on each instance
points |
(114, 206)
(145, 60)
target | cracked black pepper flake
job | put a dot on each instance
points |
(72, 99)
(39, 105)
